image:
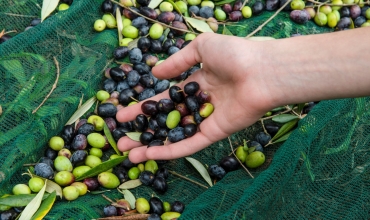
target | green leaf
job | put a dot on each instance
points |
(226, 31)
(34, 205)
(15, 68)
(131, 184)
(278, 109)
(133, 44)
(300, 108)
(224, 2)
(111, 140)
(251, 149)
(200, 25)
(18, 200)
(135, 136)
(101, 168)
(201, 169)
(283, 118)
(285, 129)
(129, 197)
(48, 6)
(82, 110)
(95, 192)
(119, 24)
(154, 3)
(283, 138)
(45, 207)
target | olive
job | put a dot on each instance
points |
(258, 7)
(139, 22)
(216, 171)
(147, 81)
(177, 206)
(107, 110)
(156, 206)
(255, 159)
(192, 104)
(119, 132)
(120, 52)
(300, 16)
(85, 130)
(229, 163)
(188, 119)
(44, 170)
(256, 145)
(179, 25)
(144, 44)
(146, 177)
(203, 97)
(263, 138)
(146, 137)
(127, 163)
(156, 31)
(121, 173)
(68, 133)
(141, 123)
(109, 211)
(56, 143)
(64, 178)
(166, 17)
(143, 2)
(70, 193)
(227, 8)
(272, 129)
(173, 119)
(109, 85)
(108, 180)
(79, 142)
(154, 216)
(48, 161)
(81, 187)
(142, 205)
(190, 130)
(78, 171)
(10, 214)
(135, 55)
(160, 184)
(156, 46)
(62, 163)
(126, 96)
(177, 134)
(162, 172)
(149, 12)
(153, 124)
(156, 143)
(133, 173)
(206, 12)
(151, 165)
(161, 86)
(65, 152)
(176, 94)
(107, 6)
(50, 153)
(206, 109)
(161, 134)
(92, 183)
(183, 109)
(111, 123)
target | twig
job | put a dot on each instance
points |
(245, 2)
(152, 20)
(13, 31)
(108, 199)
(268, 20)
(188, 179)
(52, 88)
(18, 15)
(29, 164)
(283, 112)
(325, 3)
(232, 150)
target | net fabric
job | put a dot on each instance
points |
(321, 172)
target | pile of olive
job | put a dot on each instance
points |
(155, 207)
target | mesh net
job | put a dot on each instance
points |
(321, 172)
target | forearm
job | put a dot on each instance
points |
(318, 67)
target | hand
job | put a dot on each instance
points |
(229, 73)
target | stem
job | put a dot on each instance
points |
(152, 20)
(283, 112)
(268, 20)
(108, 199)
(232, 150)
(325, 3)
(188, 179)
(52, 88)
(245, 2)
(29, 164)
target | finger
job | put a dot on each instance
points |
(178, 62)
(125, 144)
(179, 149)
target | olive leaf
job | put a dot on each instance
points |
(251, 149)
(119, 24)
(101, 168)
(201, 169)
(135, 136)
(34, 205)
(131, 184)
(300, 108)
(82, 110)
(226, 31)
(133, 44)
(99, 192)
(200, 25)
(48, 6)
(154, 3)
(18, 200)
(111, 140)
(45, 207)
(283, 138)
(129, 197)
(284, 118)
(278, 109)
(224, 2)
(285, 129)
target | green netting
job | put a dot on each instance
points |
(321, 172)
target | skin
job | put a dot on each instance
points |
(253, 77)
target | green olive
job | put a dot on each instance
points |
(182, 6)
(21, 189)
(96, 140)
(156, 31)
(92, 161)
(165, 6)
(36, 184)
(133, 173)
(64, 178)
(141, 167)
(62, 163)
(321, 19)
(207, 3)
(78, 171)
(220, 14)
(108, 180)
(173, 119)
(151, 165)
(110, 20)
(99, 25)
(241, 154)
(190, 36)
(206, 109)
(102, 95)
(336, 2)
(255, 159)
(63, 7)
(297, 5)
(56, 143)
(166, 206)
(247, 12)
(142, 205)
(332, 20)
(125, 41)
(96, 152)
(326, 9)
(130, 31)
(70, 193)
(81, 187)
(194, 2)
(126, 21)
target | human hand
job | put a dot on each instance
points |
(229, 72)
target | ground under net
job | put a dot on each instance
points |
(321, 172)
